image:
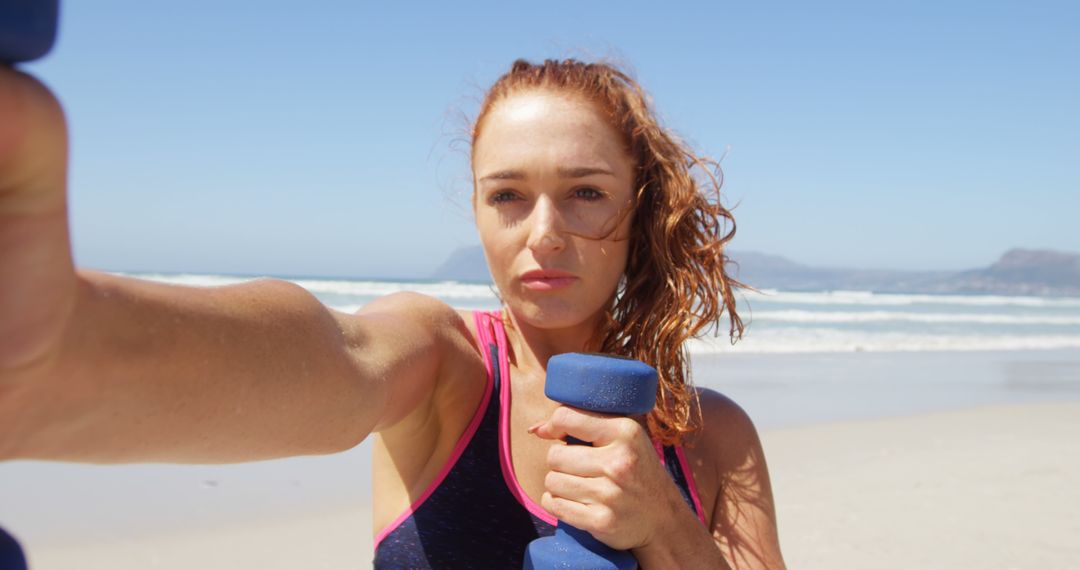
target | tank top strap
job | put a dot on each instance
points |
(488, 331)
(679, 469)
(502, 347)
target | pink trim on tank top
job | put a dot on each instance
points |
(505, 459)
(462, 442)
(690, 482)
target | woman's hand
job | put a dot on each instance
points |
(616, 490)
(37, 275)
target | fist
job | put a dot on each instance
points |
(616, 490)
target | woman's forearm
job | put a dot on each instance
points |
(153, 372)
(684, 543)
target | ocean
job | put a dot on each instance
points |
(784, 321)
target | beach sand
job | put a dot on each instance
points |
(989, 488)
(317, 541)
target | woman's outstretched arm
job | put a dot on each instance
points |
(101, 368)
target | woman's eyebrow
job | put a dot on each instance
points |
(575, 172)
(583, 171)
(505, 175)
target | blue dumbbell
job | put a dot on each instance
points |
(598, 383)
(27, 29)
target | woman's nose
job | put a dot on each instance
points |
(545, 233)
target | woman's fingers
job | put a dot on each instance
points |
(580, 460)
(618, 443)
(584, 490)
(597, 519)
(598, 429)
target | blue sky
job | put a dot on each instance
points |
(318, 138)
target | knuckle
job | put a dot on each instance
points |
(611, 494)
(628, 428)
(604, 521)
(550, 480)
(621, 466)
(561, 415)
(552, 458)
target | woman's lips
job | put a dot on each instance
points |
(547, 279)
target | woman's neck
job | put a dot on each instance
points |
(531, 347)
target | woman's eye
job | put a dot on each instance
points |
(590, 194)
(502, 196)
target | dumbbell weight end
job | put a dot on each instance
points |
(574, 549)
(27, 29)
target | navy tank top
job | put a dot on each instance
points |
(475, 514)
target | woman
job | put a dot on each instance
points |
(598, 238)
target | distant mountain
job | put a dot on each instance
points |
(1017, 272)
(774, 272)
(464, 264)
(1024, 272)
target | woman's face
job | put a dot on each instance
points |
(552, 179)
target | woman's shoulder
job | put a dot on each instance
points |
(428, 329)
(413, 306)
(445, 338)
(728, 438)
(724, 449)
(443, 323)
(723, 421)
